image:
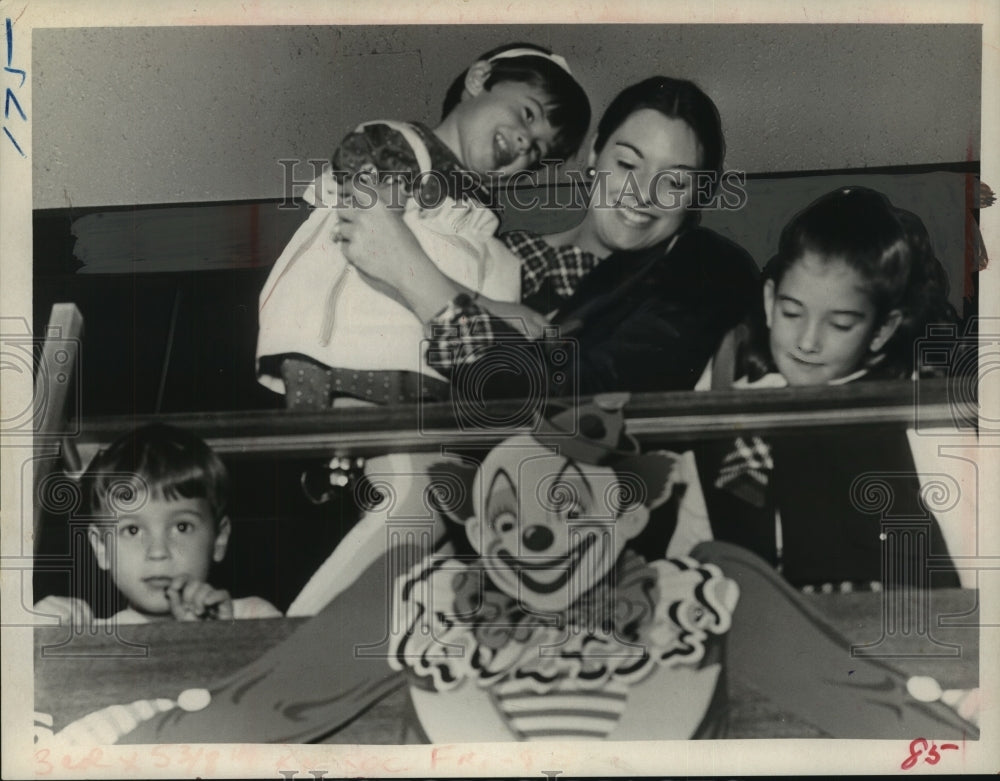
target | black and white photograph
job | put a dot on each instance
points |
(465, 389)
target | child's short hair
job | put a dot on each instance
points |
(169, 462)
(569, 110)
(888, 247)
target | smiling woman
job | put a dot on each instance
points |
(645, 184)
(645, 293)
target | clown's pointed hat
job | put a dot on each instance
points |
(594, 433)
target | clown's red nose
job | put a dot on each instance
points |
(537, 538)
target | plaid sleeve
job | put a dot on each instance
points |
(568, 269)
(461, 332)
(563, 266)
(533, 262)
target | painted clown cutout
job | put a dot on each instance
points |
(548, 631)
(537, 617)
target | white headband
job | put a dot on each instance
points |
(560, 61)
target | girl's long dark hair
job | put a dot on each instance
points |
(889, 248)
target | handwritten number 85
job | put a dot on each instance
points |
(918, 746)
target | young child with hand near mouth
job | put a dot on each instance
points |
(329, 333)
(162, 494)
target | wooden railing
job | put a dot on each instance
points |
(656, 418)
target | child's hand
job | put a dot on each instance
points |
(525, 319)
(194, 600)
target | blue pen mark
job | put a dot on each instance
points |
(9, 96)
(19, 72)
(13, 140)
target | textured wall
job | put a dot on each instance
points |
(163, 115)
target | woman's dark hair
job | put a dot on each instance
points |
(889, 248)
(674, 99)
(156, 461)
(568, 108)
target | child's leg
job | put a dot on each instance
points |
(804, 667)
(307, 384)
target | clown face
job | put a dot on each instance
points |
(550, 529)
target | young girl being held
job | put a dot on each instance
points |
(327, 333)
(854, 283)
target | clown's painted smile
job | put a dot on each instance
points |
(567, 565)
(548, 532)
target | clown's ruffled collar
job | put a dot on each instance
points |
(451, 624)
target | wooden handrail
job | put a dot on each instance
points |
(654, 418)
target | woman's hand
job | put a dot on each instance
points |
(380, 245)
(525, 319)
(375, 238)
